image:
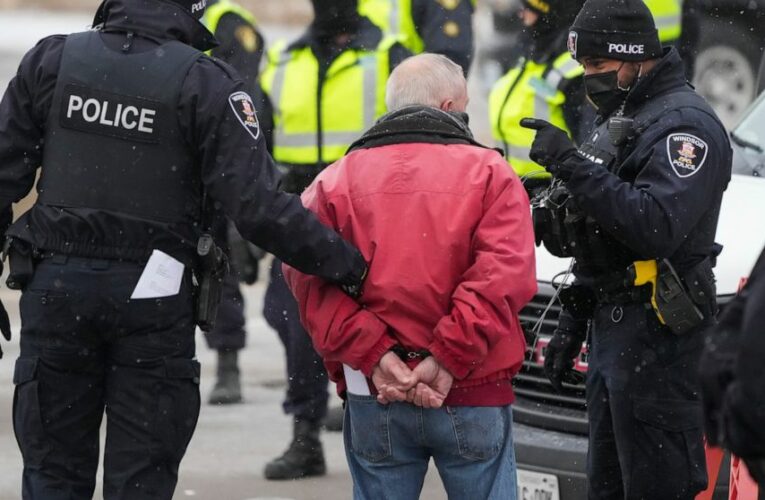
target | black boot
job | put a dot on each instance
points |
(228, 389)
(303, 458)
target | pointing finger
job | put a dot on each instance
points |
(533, 123)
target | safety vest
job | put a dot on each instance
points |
(394, 17)
(529, 90)
(216, 11)
(310, 130)
(667, 14)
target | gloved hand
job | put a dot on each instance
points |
(354, 290)
(551, 147)
(563, 348)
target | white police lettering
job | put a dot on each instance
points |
(198, 7)
(626, 48)
(111, 115)
(591, 157)
(687, 154)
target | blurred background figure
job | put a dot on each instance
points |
(545, 83)
(437, 26)
(241, 46)
(322, 91)
(733, 382)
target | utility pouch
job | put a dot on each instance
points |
(700, 282)
(549, 211)
(669, 298)
(674, 302)
(21, 264)
(213, 269)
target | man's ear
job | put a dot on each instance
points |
(447, 105)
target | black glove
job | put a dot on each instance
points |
(354, 289)
(563, 348)
(551, 147)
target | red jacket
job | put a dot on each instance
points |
(448, 235)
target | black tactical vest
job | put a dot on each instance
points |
(113, 141)
(595, 250)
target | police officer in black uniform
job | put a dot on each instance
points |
(733, 380)
(436, 26)
(637, 205)
(138, 134)
(242, 46)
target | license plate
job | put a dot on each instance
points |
(536, 486)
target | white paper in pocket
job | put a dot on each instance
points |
(356, 382)
(161, 277)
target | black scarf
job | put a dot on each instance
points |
(418, 124)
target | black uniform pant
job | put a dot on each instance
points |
(229, 332)
(646, 440)
(307, 379)
(87, 348)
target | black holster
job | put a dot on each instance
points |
(674, 302)
(21, 264)
(213, 267)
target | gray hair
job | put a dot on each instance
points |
(424, 80)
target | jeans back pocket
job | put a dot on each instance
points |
(370, 428)
(480, 431)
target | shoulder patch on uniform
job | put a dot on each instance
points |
(244, 110)
(247, 37)
(687, 154)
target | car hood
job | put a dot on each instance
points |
(741, 231)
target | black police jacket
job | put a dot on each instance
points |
(234, 167)
(446, 27)
(660, 198)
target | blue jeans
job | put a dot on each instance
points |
(388, 448)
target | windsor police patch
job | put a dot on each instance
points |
(244, 110)
(687, 154)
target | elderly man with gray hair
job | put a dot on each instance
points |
(426, 356)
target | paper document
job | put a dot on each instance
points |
(160, 278)
(356, 382)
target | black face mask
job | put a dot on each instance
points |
(604, 92)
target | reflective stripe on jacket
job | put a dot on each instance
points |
(352, 97)
(394, 17)
(667, 14)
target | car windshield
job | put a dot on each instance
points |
(749, 134)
